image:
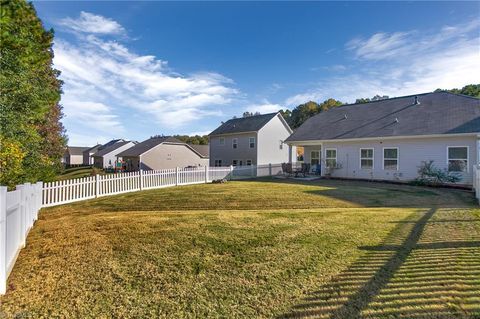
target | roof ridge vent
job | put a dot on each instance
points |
(396, 120)
(416, 102)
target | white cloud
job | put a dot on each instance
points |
(106, 85)
(91, 23)
(404, 63)
(379, 45)
(264, 107)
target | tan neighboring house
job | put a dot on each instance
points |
(162, 153)
(73, 155)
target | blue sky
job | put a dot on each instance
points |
(136, 69)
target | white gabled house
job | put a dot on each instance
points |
(106, 155)
(389, 139)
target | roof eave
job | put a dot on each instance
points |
(315, 142)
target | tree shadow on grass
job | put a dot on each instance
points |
(419, 271)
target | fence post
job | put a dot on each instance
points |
(269, 169)
(23, 214)
(97, 185)
(206, 174)
(3, 240)
(176, 176)
(141, 179)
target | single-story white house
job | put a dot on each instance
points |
(88, 154)
(106, 156)
(389, 139)
(163, 152)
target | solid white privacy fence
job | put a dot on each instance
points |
(476, 181)
(18, 211)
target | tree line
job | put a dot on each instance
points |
(32, 138)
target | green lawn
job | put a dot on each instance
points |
(267, 248)
(76, 172)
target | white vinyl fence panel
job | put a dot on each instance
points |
(18, 211)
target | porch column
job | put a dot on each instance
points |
(478, 151)
(290, 153)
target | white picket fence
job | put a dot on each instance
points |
(19, 208)
(68, 191)
(18, 211)
(476, 181)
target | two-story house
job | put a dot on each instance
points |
(253, 140)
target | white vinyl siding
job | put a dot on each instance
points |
(390, 158)
(366, 158)
(411, 153)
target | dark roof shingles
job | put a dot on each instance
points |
(437, 113)
(146, 145)
(244, 124)
(111, 148)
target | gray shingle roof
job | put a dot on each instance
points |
(437, 113)
(92, 149)
(111, 148)
(76, 150)
(244, 124)
(146, 145)
(203, 150)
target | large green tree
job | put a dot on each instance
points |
(32, 137)
(301, 113)
(471, 90)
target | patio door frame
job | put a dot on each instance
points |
(319, 150)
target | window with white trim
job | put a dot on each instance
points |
(222, 141)
(366, 158)
(218, 162)
(314, 157)
(251, 142)
(457, 158)
(234, 162)
(235, 143)
(248, 162)
(390, 158)
(331, 157)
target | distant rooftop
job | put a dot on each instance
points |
(244, 124)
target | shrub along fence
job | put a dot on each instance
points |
(19, 208)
